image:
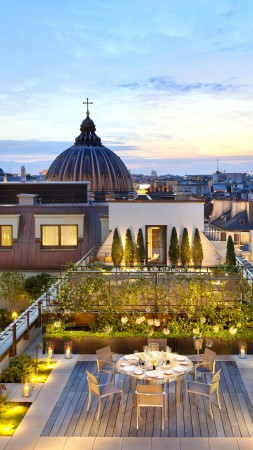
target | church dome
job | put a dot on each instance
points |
(89, 160)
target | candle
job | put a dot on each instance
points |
(67, 353)
(50, 352)
(243, 352)
(26, 391)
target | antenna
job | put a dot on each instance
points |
(217, 164)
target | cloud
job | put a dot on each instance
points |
(167, 84)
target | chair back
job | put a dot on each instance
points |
(92, 383)
(149, 395)
(105, 353)
(105, 357)
(157, 344)
(208, 359)
(215, 382)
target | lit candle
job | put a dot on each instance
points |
(67, 353)
(243, 352)
(50, 352)
(26, 391)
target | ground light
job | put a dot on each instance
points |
(11, 416)
(14, 315)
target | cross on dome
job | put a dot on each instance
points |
(88, 103)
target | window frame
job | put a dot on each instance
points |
(6, 247)
(59, 246)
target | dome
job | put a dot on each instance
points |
(89, 160)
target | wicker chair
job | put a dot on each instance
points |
(101, 390)
(205, 389)
(150, 395)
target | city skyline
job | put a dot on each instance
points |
(170, 82)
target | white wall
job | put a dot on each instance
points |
(179, 214)
(137, 215)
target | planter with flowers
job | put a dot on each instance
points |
(123, 309)
(130, 332)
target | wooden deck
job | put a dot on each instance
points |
(70, 418)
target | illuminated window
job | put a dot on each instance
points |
(5, 235)
(59, 235)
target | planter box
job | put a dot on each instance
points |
(124, 345)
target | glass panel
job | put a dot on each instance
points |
(6, 235)
(50, 235)
(68, 235)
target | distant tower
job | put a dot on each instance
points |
(23, 174)
(153, 173)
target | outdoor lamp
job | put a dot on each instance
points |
(198, 341)
(243, 350)
(68, 349)
(26, 386)
(50, 349)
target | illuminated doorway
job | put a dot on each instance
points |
(156, 244)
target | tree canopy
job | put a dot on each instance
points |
(117, 248)
(197, 249)
(174, 250)
(230, 254)
(140, 248)
(185, 250)
(129, 249)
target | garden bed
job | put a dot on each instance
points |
(87, 344)
(12, 414)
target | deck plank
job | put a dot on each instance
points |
(70, 418)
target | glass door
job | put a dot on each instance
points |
(156, 244)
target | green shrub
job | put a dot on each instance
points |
(97, 265)
(19, 367)
(36, 285)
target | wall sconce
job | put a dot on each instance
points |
(243, 350)
(50, 349)
(68, 349)
(25, 387)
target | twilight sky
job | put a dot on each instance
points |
(170, 80)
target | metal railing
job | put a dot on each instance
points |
(32, 316)
(246, 268)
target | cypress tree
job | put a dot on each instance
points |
(230, 255)
(140, 248)
(129, 249)
(197, 249)
(117, 249)
(174, 250)
(185, 250)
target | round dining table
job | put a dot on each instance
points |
(138, 366)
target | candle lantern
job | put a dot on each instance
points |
(26, 386)
(243, 350)
(68, 349)
(50, 349)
